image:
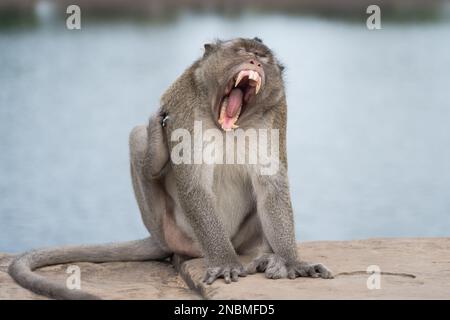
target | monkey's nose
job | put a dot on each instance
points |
(254, 62)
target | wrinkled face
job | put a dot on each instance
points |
(239, 75)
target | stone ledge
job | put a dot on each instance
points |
(112, 280)
(410, 269)
(416, 268)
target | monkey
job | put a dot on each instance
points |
(217, 211)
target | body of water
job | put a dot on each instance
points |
(368, 128)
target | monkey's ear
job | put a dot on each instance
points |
(281, 66)
(258, 39)
(209, 47)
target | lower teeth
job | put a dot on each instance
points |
(223, 114)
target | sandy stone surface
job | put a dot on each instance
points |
(410, 269)
(114, 280)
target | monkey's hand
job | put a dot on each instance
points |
(229, 271)
(275, 267)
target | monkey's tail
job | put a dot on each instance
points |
(21, 269)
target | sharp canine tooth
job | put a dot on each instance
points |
(239, 78)
(222, 112)
(258, 85)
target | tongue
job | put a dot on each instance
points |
(234, 102)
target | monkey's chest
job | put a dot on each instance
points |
(232, 196)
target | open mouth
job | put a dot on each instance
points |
(239, 91)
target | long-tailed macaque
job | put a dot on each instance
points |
(199, 208)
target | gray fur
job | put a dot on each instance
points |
(212, 202)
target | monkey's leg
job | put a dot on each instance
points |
(275, 211)
(148, 156)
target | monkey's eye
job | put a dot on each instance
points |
(264, 58)
(240, 50)
(260, 55)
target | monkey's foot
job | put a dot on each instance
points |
(275, 267)
(307, 269)
(272, 264)
(230, 272)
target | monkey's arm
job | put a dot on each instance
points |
(157, 154)
(277, 219)
(275, 212)
(197, 203)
